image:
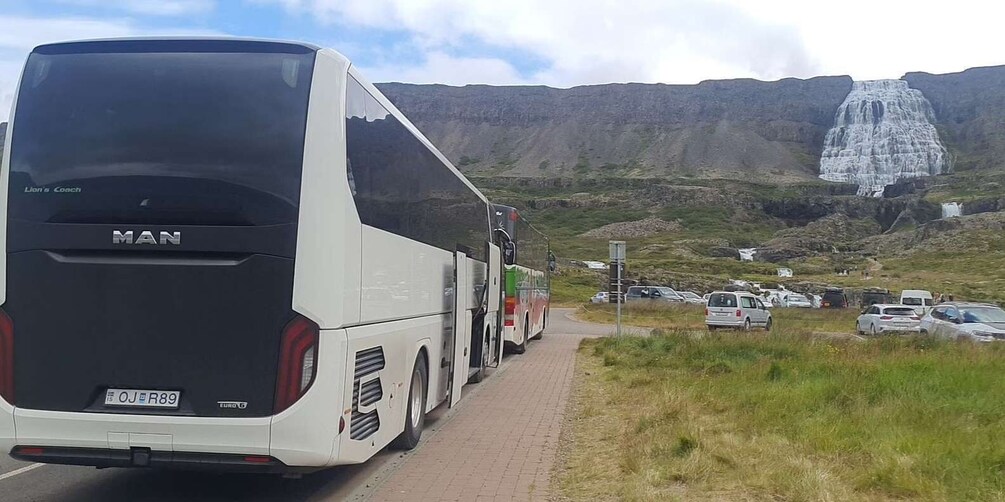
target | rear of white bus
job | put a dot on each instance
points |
(152, 197)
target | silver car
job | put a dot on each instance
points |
(796, 300)
(883, 318)
(691, 297)
(652, 294)
(727, 309)
(978, 322)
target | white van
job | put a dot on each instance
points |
(921, 301)
(727, 309)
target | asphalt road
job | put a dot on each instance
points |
(20, 481)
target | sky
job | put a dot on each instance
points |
(560, 43)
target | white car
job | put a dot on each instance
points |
(796, 300)
(727, 309)
(978, 322)
(600, 297)
(692, 298)
(884, 318)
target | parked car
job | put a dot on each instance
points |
(834, 299)
(978, 322)
(652, 293)
(691, 298)
(727, 309)
(883, 318)
(796, 300)
(872, 296)
(705, 296)
(600, 297)
(919, 299)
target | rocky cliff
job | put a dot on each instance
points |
(970, 114)
(734, 129)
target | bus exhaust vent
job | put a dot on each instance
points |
(366, 391)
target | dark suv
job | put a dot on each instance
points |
(834, 299)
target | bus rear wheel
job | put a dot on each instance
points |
(415, 409)
(522, 346)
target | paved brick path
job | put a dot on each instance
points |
(501, 445)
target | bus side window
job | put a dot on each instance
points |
(355, 108)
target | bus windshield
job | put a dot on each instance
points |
(160, 132)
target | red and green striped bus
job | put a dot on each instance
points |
(526, 287)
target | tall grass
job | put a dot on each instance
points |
(696, 415)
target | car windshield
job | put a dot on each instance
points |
(667, 292)
(688, 294)
(722, 300)
(983, 314)
(899, 311)
(915, 301)
(797, 298)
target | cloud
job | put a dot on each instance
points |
(18, 35)
(441, 68)
(590, 41)
(150, 7)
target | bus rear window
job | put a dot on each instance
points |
(160, 132)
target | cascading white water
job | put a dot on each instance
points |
(950, 209)
(882, 133)
(747, 254)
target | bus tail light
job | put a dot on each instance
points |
(510, 311)
(706, 311)
(297, 362)
(6, 357)
(739, 313)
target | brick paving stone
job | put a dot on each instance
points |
(502, 443)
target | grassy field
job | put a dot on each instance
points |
(689, 415)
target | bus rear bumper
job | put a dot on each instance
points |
(82, 432)
(145, 457)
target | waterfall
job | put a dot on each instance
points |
(747, 254)
(950, 209)
(882, 133)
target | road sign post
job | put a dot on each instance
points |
(617, 251)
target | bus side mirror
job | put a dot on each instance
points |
(509, 253)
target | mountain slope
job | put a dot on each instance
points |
(970, 109)
(733, 128)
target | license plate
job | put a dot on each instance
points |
(135, 398)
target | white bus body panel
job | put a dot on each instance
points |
(403, 278)
(401, 341)
(326, 286)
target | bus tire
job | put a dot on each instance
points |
(415, 420)
(486, 352)
(522, 346)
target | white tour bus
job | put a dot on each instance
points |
(229, 254)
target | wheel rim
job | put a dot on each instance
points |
(416, 398)
(746, 325)
(873, 329)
